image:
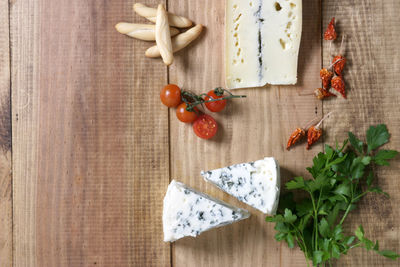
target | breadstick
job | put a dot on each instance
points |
(151, 14)
(143, 32)
(179, 42)
(163, 36)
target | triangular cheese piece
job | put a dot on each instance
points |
(188, 212)
(255, 183)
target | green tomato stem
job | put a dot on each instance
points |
(191, 106)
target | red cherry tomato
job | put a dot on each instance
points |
(171, 95)
(185, 116)
(205, 126)
(215, 106)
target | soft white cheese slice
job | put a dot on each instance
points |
(188, 212)
(262, 40)
(255, 183)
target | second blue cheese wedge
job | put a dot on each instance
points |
(255, 183)
(188, 212)
(262, 42)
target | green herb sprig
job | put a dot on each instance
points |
(341, 177)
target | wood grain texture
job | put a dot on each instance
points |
(372, 80)
(93, 152)
(249, 129)
(89, 169)
(5, 141)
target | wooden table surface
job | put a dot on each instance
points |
(87, 150)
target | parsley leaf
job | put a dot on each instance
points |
(290, 240)
(376, 247)
(357, 171)
(304, 207)
(383, 155)
(335, 251)
(280, 236)
(297, 183)
(377, 136)
(389, 254)
(333, 214)
(324, 228)
(319, 182)
(276, 218)
(337, 232)
(357, 167)
(317, 257)
(343, 189)
(349, 240)
(356, 143)
(282, 227)
(329, 152)
(340, 178)
(289, 217)
(360, 233)
(378, 190)
(370, 178)
(319, 163)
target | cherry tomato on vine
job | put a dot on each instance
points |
(205, 126)
(215, 106)
(184, 115)
(171, 95)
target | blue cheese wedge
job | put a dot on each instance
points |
(262, 42)
(188, 212)
(254, 183)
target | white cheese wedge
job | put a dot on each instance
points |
(188, 212)
(262, 42)
(255, 183)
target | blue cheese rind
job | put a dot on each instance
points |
(188, 212)
(254, 183)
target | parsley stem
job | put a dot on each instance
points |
(315, 230)
(350, 203)
(356, 245)
(360, 196)
(316, 218)
(345, 214)
(302, 240)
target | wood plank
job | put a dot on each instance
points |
(5, 141)
(373, 95)
(249, 129)
(91, 150)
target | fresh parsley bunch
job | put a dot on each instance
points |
(341, 177)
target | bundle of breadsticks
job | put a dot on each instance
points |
(165, 28)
